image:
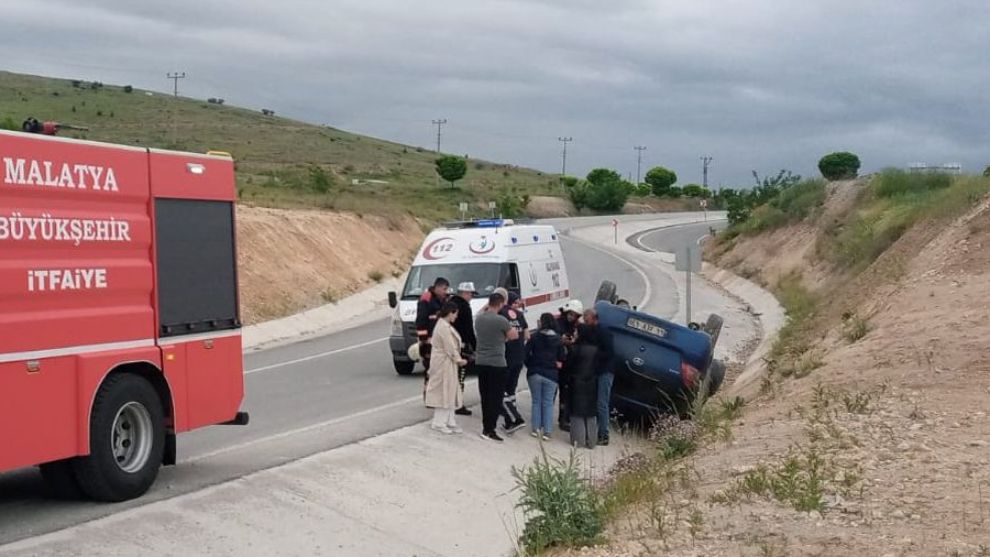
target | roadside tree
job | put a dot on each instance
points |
(451, 168)
(660, 180)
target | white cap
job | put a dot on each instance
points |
(574, 305)
(467, 287)
(413, 352)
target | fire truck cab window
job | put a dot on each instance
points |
(197, 280)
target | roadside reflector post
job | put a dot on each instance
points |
(615, 231)
(464, 208)
(688, 259)
(492, 205)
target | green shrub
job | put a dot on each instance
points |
(8, 123)
(800, 200)
(674, 192)
(603, 190)
(893, 182)
(319, 181)
(839, 166)
(660, 180)
(695, 190)
(560, 507)
(569, 181)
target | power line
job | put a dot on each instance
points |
(639, 160)
(175, 77)
(563, 164)
(439, 124)
(705, 161)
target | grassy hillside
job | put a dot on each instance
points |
(280, 162)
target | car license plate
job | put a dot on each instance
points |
(646, 327)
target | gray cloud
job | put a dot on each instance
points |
(759, 84)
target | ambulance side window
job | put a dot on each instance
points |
(197, 273)
(509, 277)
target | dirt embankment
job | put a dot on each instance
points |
(290, 261)
(877, 441)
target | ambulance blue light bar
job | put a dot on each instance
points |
(482, 223)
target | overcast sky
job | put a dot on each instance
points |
(757, 84)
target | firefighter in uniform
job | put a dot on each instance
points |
(427, 313)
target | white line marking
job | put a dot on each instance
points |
(318, 425)
(316, 356)
(646, 279)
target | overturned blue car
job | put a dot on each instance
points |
(659, 366)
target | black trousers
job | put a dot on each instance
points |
(491, 386)
(564, 414)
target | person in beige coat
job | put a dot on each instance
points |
(443, 388)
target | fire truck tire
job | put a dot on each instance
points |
(126, 440)
(61, 479)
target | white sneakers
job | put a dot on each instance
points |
(456, 430)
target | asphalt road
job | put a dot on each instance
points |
(671, 239)
(304, 398)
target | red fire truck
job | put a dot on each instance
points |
(119, 316)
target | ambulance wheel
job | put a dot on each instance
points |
(126, 440)
(61, 479)
(404, 368)
(606, 292)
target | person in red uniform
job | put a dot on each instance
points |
(427, 313)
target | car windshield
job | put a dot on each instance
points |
(485, 276)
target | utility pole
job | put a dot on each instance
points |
(563, 164)
(439, 124)
(175, 77)
(705, 161)
(639, 160)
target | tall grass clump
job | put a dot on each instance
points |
(560, 506)
(896, 201)
(793, 204)
(894, 182)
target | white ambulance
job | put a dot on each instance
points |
(523, 258)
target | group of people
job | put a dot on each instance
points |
(569, 355)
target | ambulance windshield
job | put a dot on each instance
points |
(485, 276)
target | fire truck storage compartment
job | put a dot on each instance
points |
(197, 303)
(197, 280)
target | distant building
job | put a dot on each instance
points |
(953, 168)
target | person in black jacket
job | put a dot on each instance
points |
(602, 338)
(427, 313)
(464, 325)
(544, 358)
(567, 323)
(582, 367)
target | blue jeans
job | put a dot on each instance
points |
(604, 402)
(543, 391)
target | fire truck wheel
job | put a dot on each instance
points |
(61, 479)
(126, 440)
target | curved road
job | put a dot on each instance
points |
(304, 398)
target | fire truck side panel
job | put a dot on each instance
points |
(38, 412)
(75, 266)
(213, 394)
